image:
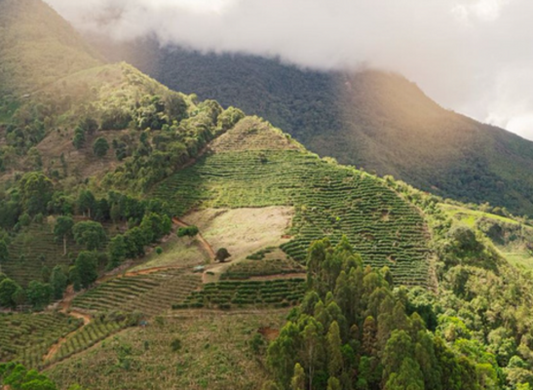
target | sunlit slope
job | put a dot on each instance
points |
(37, 47)
(370, 119)
(330, 200)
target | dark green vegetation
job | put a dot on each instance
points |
(374, 120)
(17, 377)
(253, 268)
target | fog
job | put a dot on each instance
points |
(472, 56)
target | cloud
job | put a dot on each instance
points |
(472, 56)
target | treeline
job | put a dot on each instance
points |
(353, 331)
(17, 377)
(81, 219)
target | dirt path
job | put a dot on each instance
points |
(200, 238)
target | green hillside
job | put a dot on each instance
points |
(150, 240)
(371, 119)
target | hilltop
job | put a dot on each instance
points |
(371, 119)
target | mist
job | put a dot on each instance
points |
(472, 56)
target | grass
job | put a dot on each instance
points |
(215, 354)
(330, 200)
(176, 252)
(469, 217)
(26, 338)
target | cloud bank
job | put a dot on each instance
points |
(472, 56)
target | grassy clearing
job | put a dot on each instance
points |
(469, 217)
(215, 353)
(243, 231)
(176, 252)
(329, 200)
(27, 337)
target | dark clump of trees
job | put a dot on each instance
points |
(352, 331)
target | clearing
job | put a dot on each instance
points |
(241, 231)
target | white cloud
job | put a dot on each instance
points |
(467, 54)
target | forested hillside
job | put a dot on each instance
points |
(375, 120)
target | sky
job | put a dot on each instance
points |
(471, 56)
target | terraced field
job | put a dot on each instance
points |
(227, 295)
(26, 338)
(330, 200)
(88, 336)
(253, 268)
(34, 248)
(150, 294)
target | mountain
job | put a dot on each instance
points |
(376, 120)
(38, 47)
(152, 240)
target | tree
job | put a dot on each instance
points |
(334, 345)
(63, 230)
(117, 251)
(100, 147)
(4, 253)
(298, 379)
(222, 255)
(8, 287)
(86, 202)
(79, 138)
(91, 234)
(58, 282)
(36, 190)
(39, 294)
(188, 231)
(86, 267)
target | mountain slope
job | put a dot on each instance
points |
(37, 47)
(375, 120)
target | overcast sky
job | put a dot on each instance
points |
(472, 56)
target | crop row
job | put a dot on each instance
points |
(150, 294)
(27, 337)
(225, 295)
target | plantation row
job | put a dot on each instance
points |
(31, 250)
(252, 268)
(27, 337)
(150, 294)
(225, 295)
(87, 337)
(330, 200)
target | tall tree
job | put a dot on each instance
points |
(100, 147)
(63, 230)
(86, 267)
(58, 281)
(36, 190)
(91, 234)
(8, 287)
